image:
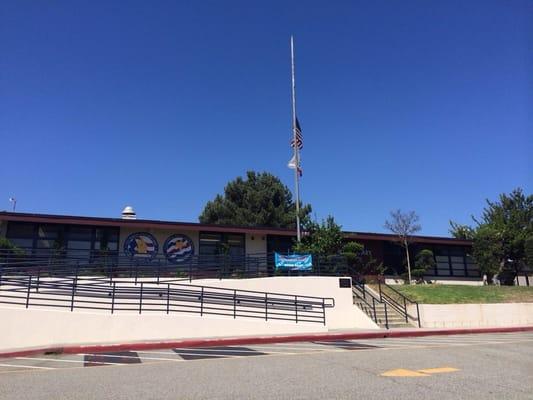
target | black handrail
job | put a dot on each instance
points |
(125, 295)
(362, 288)
(401, 308)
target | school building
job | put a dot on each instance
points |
(83, 237)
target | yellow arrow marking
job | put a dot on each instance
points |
(421, 372)
(403, 373)
(438, 370)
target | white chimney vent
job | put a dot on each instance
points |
(128, 213)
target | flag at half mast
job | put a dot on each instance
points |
(298, 136)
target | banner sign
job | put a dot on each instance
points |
(294, 262)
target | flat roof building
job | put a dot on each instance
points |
(82, 237)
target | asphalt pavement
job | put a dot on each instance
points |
(487, 366)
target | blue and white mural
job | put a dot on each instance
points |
(141, 244)
(178, 248)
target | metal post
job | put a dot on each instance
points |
(111, 273)
(141, 298)
(235, 304)
(202, 302)
(136, 272)
(266, 306)
(405, 309)
(380, 295)
(113, 299)
(418, 315)
(386, 316)
(296, 308)
(28, 294)
(74, 283)
(168, 298)
(374, 309)
(158, 270)
(38, 279)
(323, 311)
(190, 271)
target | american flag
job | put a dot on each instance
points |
(299, 136)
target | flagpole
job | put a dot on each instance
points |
(295, 146)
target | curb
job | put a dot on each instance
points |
(227, 341)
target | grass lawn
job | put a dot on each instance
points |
(455, 294)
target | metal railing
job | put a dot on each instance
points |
(370, 303)
(399, 304)
(169, 297)
(194, 267)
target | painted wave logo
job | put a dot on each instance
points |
(178, 248)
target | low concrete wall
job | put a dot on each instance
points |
(44, 327)
(343, 316)
(33, 328)
(474, 315)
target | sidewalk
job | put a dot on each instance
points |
(247, 340)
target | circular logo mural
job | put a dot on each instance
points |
(178, 248)
(141, 244)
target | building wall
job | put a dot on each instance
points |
(256, 244)
(161, 236)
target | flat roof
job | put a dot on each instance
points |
(195, 226)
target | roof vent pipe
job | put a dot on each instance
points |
(128, 213)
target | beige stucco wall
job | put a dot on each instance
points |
(160, 234)
(62, 327)
(256, 245)
(59, 328)
(474, 315)
(343, 316)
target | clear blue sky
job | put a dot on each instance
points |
(420, 105)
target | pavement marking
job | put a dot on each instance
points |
(104, 355)
(24, 366)
(63, 360)
(438, 370)
(403, 373)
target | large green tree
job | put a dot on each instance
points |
(502, 235)
(323, 238)
(259, 199)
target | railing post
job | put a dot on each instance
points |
(113, 299)
(168, 298)
(190, 271)
(235, 304)
(38, 279)
(110, 273)
(323, 311)
(296, 308)
(136, 272)
(74, 283)
(374, 309)
(266, 306)
(158, 270)
(141, 298)
(202, 302)
(386, 316)
(380, 294)
(28, 294)
(418, 315)
(405, 309)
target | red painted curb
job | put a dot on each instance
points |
(260, 340)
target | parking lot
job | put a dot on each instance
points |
(445, 367)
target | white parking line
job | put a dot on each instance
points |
(62, 360)
(24, 366)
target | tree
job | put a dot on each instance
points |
(424, 260)
(502, 237)
(260, 199)
(502, 233)
(321, 239)
(404, 225)
(360, 261)
(459, 231)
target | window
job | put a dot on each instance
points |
(213, 243)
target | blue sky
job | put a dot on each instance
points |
(416, 105)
